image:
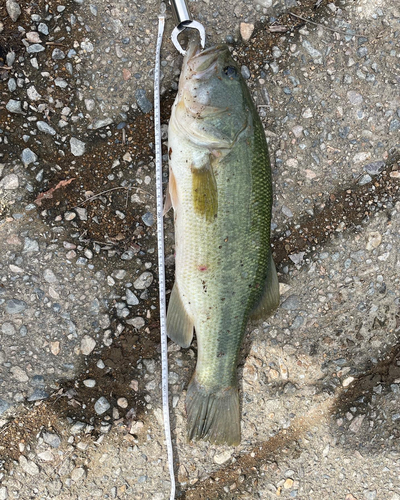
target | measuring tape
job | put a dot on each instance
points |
(160, 248)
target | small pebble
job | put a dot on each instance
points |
(28, 466)
(101, 405)
(35, 48)
(28, 156)
(77, 146)
(57, 55)
(102, 123)
(13, 9)
(221, 458)
(87, 345)
(245, 72)
(246, 30)
(14, 106)
(122, 402)
(374, 240)
(144, 104)
(9, 182)
(89, 382)
(45, 127)
(144, 281)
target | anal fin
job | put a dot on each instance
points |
(179, 323)
(269, 299)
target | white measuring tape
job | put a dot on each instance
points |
(160, 248)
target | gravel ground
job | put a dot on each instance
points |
(80, 397)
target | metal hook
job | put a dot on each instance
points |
(183, 21)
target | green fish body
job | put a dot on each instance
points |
(220, 189)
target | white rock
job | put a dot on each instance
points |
(9, 182)
(356, 424)
(13, 9)
(307, 113)
(361, 157)
(77, 146)
(46, 456)
(77, 474)
(246, 30)
(347, 381)
(28, 466)
(374, 240)
(87, 345)
(223, 457)
(33, 94)
(49, 276)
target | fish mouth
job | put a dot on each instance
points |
(202, 63)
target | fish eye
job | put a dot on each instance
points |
(230, 71)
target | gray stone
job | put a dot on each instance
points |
(30, 245)
(394, 125)
(375, 167)
(144, 281)
(291, 303)
(136, 322)
(60, 82)
(365, 179)
(144, 104)
(57, 55)
(38, 395)
(131, 298)
(354, 97)
(102, 123)
(49, 276)
(35, 48)
(82, 213)
(28, 156)
(77, 428)
(45, 127)
(101, 405)
(33, 94)
(314, 53)
(90, 104)
(28, 466)
(87, 46)
(4, 406)
(148, 219)
(13, 9)
(245, 72)
(14, 106)
(77, 146)
(19, 374)
(9, 182)
(10, 58)
(16, 306)
(12, 84)
(8, 328)
(42, 28)
(286, 211)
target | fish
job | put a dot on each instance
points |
(221, 191)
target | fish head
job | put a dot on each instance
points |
(213, 105)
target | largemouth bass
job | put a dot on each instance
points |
(220, 189)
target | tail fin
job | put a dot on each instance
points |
(213, 415)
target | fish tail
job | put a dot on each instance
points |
(213, 414)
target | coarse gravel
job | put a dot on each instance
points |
(80, 382)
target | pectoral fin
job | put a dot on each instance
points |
(269, 299)
(179, 324)
(205, 193)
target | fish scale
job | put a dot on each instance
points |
(222, 198)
